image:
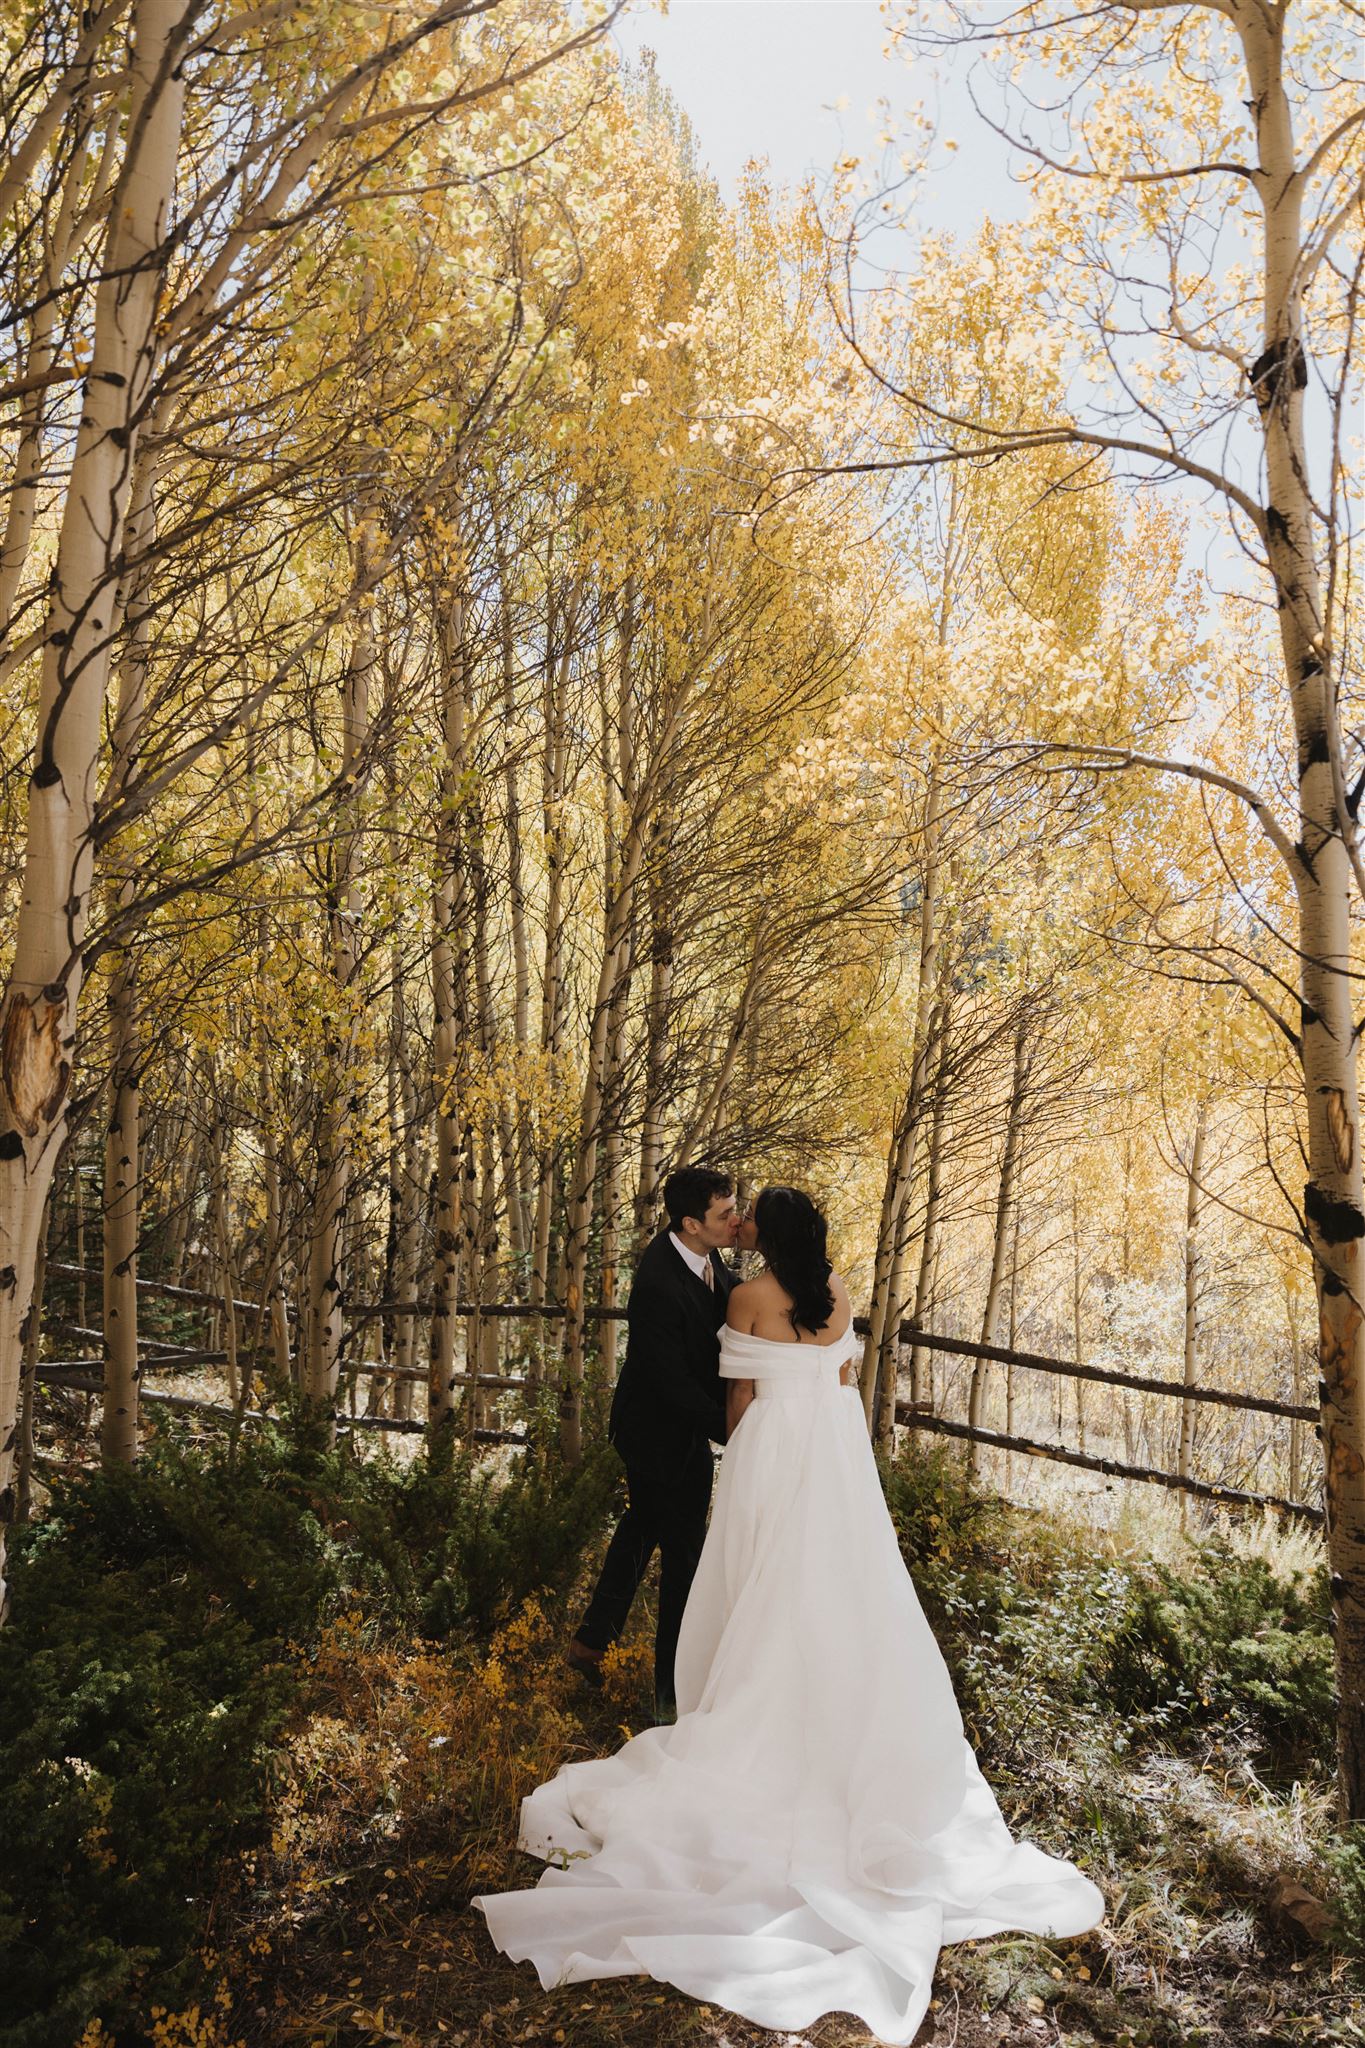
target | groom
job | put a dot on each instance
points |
(668, 1406)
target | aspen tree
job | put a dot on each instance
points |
(1078, 1290)
(520, 1221)
(879, 1350)
(345, 910)
(1005, 1202)
(38, 1010)
(451, 1020)
(1248, 112)
(159, 248)
(660, 891)
(122, 1177)
(602, 1043)
(32, 1338)
(933, 1195)
(563, 624)
(1194, 1189)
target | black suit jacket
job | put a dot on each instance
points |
(670, 1398)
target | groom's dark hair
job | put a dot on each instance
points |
(691, 1190)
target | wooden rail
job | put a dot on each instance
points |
(56, 1369)
(1205, 1489)
(186, 1404)
(197, 1295)
(72, 1373)
(1066, 1368)
(910, 1334)
(155, 1361)
(928, 1340)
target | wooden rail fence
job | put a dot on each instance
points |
(77, 1375)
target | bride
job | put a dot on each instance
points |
(814, 1826)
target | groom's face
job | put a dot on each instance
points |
(717, 1229)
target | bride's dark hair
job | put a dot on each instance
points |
(791, 1237)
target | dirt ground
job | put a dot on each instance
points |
(398, 1805)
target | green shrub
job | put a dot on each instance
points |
(159, 1635)
(937, 1516)
(1226, 1641)
(1042, 1635)
(1346, 1864)
(477, 1551)
(136, 1713)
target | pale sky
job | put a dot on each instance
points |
(762, 78)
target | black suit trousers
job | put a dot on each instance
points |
(666, 1511)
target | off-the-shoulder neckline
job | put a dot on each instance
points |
(789, 1343)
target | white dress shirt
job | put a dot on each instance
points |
(698, 1261)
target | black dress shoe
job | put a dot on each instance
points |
(586, 1666)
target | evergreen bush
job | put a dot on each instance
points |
(1346, 1866)
(1226, 1640)
(160, 1636)
(1040, 1627)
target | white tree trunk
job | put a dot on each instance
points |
(122, 1144)
(1004, 1203)
(1194, 1181)
(596, 1088)
(933, 1204)
(661, 962)
(326, 1273)
(409, 1232)
(38, 1009)
(1334, 1196)
(449, 985)
(879, 1351)
(277, 1307)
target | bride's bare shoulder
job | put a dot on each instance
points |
(752, 1301)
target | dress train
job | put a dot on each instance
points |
(814, 1827)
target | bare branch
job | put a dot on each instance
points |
(1195, 771)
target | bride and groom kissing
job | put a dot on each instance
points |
(806, 1823)
(667, 1410)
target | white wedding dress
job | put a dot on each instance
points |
(814, 1826)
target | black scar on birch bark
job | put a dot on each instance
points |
(1336, 1221)
(1267, 372)
(1278, 526)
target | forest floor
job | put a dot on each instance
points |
(268, 1711)
(397, 1804)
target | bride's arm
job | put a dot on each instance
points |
(848, 1371)
(738, 1395)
